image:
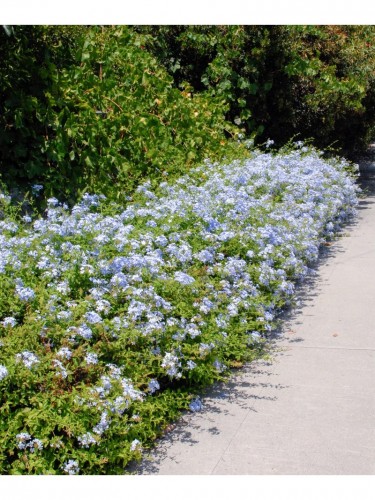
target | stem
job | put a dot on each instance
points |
(113, 102)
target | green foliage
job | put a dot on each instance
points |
(111, 118)
(332, 74)
(231, 62)
(30, 58)
(280, 81)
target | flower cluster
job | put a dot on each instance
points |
(196, 405)
(26, 442)
(3, 372)
(71, 467)
(28, 358)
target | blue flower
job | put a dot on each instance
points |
(196, 405)
(91, 358)
(9, 321)
(3, 372)
(153, 386)
(25, 441)
(28, 358)
(61, 368)
(103, 425)
(135, 445)
(64, 315)
(71, 467)
(64, 352)
(93, 318)
(86, 440)
(218, 365)
(205, 256)
(205, 349)
(36, 444)
(25, 293)
(183, 278)
(83, 331)
(172, 364)
(52, 202)
(36, 188)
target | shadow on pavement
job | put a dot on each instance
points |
(238, 390)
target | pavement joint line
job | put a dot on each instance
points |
(232, 438)
(332, 348)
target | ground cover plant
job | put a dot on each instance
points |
(113, 317)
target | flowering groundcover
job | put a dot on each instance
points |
(112, 317)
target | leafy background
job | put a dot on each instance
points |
(98, 108)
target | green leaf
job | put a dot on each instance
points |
(85, 56)
(88, 162)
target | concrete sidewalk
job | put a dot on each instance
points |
(311, 410)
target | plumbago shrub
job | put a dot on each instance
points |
(112, 317)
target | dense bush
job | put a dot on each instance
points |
(332, 72)
(30, 59)
(111, 317)
(119, 118)
(236, 63)
(280, 81)
(109, 118)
